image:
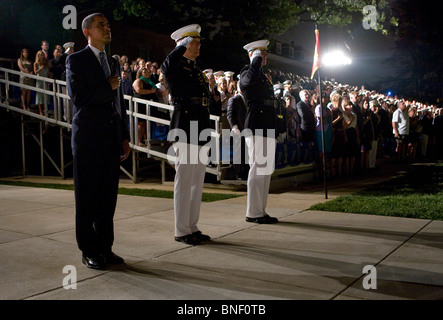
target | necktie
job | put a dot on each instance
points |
(104, 65)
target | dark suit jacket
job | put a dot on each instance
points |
(96, 105)
(236, 112)
(306, 117)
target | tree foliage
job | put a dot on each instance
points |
(252, 18)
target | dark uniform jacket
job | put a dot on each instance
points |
(281, 117)
(189, 89)
(236, 112)
(259, 94)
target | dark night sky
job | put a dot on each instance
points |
(369, 51)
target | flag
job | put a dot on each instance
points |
(316, 63)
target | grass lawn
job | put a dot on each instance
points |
(417, 194)
(206, 197)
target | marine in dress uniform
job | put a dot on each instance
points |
(261, 122)
(281, 125)
(190, 94)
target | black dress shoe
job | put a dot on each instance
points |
(112, 258)
(266, 219)
(94, 262)
(188, 239)
(200, 236)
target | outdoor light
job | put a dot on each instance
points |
(336, 58)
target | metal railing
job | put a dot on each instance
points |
(54, 91)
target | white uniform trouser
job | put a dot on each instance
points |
(261, 167)
(188, 186)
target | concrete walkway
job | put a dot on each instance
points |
(308, 255)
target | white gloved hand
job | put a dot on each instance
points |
(255, 53)
(185, 42)
(236, 131)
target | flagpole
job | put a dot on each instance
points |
(322, 129)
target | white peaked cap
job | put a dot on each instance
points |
(193, 30)
(219, 73)
(278, 86)
(68, 45)
(260, 44)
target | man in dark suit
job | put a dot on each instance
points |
(236, 114)
(100, 141)
(306, 125)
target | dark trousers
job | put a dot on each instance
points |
(96, 177)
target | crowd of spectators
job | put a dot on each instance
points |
(360, 125)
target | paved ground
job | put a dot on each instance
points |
(308, 255)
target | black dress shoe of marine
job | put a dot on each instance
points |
(188, 239)
(266, 219)
(94, 262)
(200, 236)
(112, 258)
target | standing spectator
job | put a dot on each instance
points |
(144, 88)
(162, 91)
(426, 133)
(366, 133)
(236, 115)
(154, 72)
(224, 93)
(388, 145)
(338, 143)
(41, 69)
(126, 84)
(358, 110)
(415, 129)
(400, 126)
(45, 48)
(100, 141)
(291, 115)
(352, 135)
(260, 120)
(306, 133)
(189, 90)
(216, 104)
(57, 67)
(375, 107)
(327, 130)
(25, 66)
(438, 132)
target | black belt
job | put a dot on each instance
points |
(203, 101)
